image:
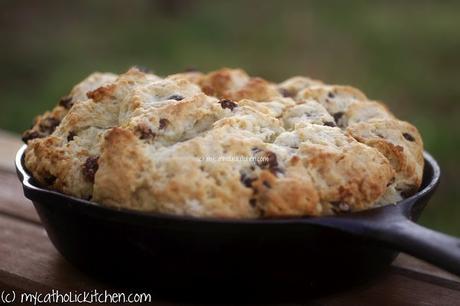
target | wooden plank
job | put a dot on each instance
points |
(12, 200)
(9, 145)
(408, 264)
(394, 289)
(29, 262)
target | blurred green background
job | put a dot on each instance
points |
(406, 54)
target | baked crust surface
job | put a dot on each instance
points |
(224, 144)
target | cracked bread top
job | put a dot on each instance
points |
(224, 144)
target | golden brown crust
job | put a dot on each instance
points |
(334, 98)
(120, 169)
(292, 86)
(225, 144)
(45, 124)
(236, 85)
(400, 143)
(365, 111)
(343, 171)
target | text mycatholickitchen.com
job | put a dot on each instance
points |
(235, 158)
(72, 297)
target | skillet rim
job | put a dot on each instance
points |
(32, 191)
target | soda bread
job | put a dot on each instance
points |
(224, 144)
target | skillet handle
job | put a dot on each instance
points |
(439, 249)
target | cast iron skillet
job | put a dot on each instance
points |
(314, 254)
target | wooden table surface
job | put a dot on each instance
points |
(29, 262)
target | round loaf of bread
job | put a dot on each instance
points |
(225, 145)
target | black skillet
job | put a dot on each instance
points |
(311, 254)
